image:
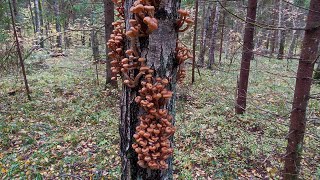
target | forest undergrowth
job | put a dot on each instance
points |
(70, 128)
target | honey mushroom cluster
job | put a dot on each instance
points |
(130, 64)
(119, 8)
(155, 128)
(116, 41)
(183, 53)
(144, 22)
(184, 18)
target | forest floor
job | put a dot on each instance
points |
(70, 128)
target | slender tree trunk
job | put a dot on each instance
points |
(268, 41)
(17, 23)
(41, 24)
(282, 44)
(58, 25)
(295, 36)
(302, 92)
(247, 56)
(83, 35)
(94, 41)
(159, 49)
(109, 18)
(32, 17)
(16, 16)
(195, 40)
(282, 33)
(274, 32)
(213, 37)
(204, 31)
(48, 27)
(19, 52)
(222, 29)
(95, 50)
(317, 72)
(37, 19)
(67, 39)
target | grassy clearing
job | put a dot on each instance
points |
(70, 128)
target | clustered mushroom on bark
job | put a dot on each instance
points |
(155, 128)
(152, 136)
(116, 41)
(182, 54)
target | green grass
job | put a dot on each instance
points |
(71, 126)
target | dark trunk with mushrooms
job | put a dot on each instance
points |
(148, 57)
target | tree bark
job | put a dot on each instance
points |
(159, 50)
(109, 18)
(213, 36)
(302, 91)
(247, 56)
(58, 25)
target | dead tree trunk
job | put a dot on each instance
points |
(19, 52)
(302, 92)
(247, 56)
(213, 37)
(109, 18)
(159, 50)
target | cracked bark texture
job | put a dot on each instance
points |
(302, 92)
(159, 51)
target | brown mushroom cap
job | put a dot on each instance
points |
(137, 9)
(152, 23)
